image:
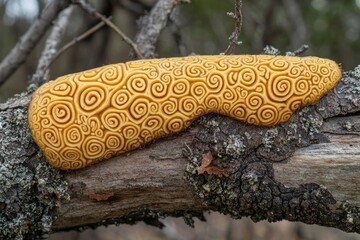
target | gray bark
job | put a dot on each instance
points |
(42, 73)
(152, 24)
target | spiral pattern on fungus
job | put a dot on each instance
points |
(90, 116)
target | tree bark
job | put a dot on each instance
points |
(147, 180)
(152, 24)
(152, 178)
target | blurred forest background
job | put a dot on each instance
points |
(331, 28)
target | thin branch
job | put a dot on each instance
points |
(298, 51)
(152, 24)
(83, 36)
(84, 4)
(28, 41)
(238, 24)
(301, 50)
(41, 74)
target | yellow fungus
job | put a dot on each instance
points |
(86, 117)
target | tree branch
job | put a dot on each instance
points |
(144, 181)
(298, 51)
(238, 24)
(151, 179)
(41, 74)
(79, 39)
(29, 40)
(92, 11)
(151, 25)
(273, 173)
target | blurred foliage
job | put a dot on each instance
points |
(216, 227)
(330, 27)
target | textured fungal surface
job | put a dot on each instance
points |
(86, 117)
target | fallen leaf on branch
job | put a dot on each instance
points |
(210, 168)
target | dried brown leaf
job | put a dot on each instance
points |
(207, 166)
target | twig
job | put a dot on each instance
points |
(238, 24)
(28, 41)
(41, 74)
(84, 4)
(301, 50)
(298, 51)
(79, 38)
(152, 24)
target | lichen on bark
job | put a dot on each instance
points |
(30, 188)
(251, 189)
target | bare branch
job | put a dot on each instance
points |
(28, 41)
(41, 74)
(92, 11)
(238, 24)
(301, 50)
(298, 51)
(156, 171)
(152, 24)
(79, 38)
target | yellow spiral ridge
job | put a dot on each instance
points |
(86, 117)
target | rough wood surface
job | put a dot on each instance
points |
(152, 178)
(335, 165)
